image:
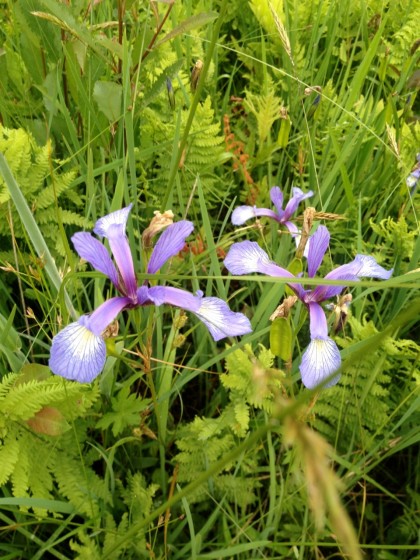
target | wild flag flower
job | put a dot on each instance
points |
(243, 213)
(414, 176)
(322, 357)
(78, 352)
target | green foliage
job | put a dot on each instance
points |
(204, 151)
(32, 462)
(251, 383)
(126, 408)
(87, 82)
(138, 501)
(398, 241)
(355, 413)
(32, 167)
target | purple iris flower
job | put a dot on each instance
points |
(322, 357)
(243, 213)
(78, 352)
(414, 176)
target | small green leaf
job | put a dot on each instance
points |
(33, 372)
(108, 96)
(281, 338)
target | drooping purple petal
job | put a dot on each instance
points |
(77, 353)
(220, 320)
(317, 321)
(297, 196)
(361, 266)
(247, 256)
(277, 199)
(319, 244)
(112, 227)
(170, 243)
(320, 360)
(243, 213)
(213, 312)
(160, 295)
(95, 254)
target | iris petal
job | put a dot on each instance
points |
(213, 312)
(297, 196)
(277, 199)
(95, 254)
(105, 225)
(221, 320)
(247, 256)
(77, 353)
(361, 266)
(319, 361)
(112, 227)
(243, 213)
(319, 244)
(160, 295)
(170, 243)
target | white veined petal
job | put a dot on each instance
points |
(319, 361)
(221, 320)
(77, 353)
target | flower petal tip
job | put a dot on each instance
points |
(108, 222)
(241, 214)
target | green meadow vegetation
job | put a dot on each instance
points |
(184, 447)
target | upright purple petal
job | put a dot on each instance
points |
(319, 244)
(143, 295)
(170, 243)
(297, 197)
(104, 226)
(95, 254)
(277, 199)
(78, 352)
(319, 361)
(213, 312)
(243, 213)
(247, 256)
(112, 227)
